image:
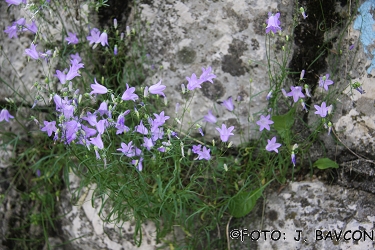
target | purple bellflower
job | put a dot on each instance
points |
(72, 38)
(68, 111)
(127, 150)
(76, 57)
(296, 92)
(210, 117)
(32, 52)
(225, 132)
(157, 89)
(101, 126)
(97, 141)
(159, 119)
(273, 23)
(228, 104)
(129, 94)
(12, 31)
(120, 124)
(193, 82)
(90, 118)
(197, 148)
(49, 127)
(72, 73)
(156, 133)
(88, 132)
(103, 108)
(31, 27)
(71, 129)
(5, 115)
(20, 22)
(15, 2)
(103, 39)
(272, 145)
(138, 164)
(264, 122)
(94, 36)
(98, 88)
(324, 82)
(204, 154)
(206, 75)
(147, 143)
(141, 129)
(322, 110)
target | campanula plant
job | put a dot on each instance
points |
(117, 135)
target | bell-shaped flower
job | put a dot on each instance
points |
(129, 94)
(296, 92)
(225, 132)
(98, 88)
(273, 23)
(272, 145)
(210, 117)
(228, 104)
(32, 52)
(49, 127)
(157, 89)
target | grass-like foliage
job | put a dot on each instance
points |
(94, 117)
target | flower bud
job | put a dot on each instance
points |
(307, 90)
(183, 88)
(225, 167)
(165, 101)
(330, 109)
(115, 51)
(329, 127)
(115, 23)
(269, 95)
(182, 149)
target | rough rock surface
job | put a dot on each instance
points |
(185, 36)
(314, 209)
(83, 223)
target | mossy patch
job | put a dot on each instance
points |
(186, 55)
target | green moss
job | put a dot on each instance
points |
(186, 55)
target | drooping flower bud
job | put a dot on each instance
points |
(115, 23)
(302, 74)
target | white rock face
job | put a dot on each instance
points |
(185, 36)
(82, 223)
(314, 212)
